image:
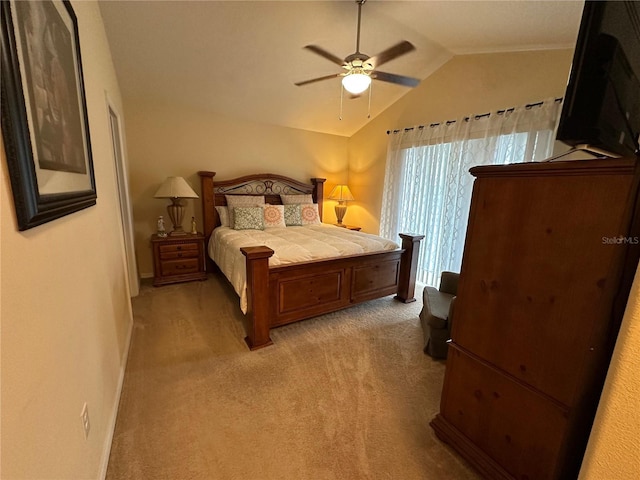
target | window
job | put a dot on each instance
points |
(428, 185)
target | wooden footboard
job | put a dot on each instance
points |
(288, 293)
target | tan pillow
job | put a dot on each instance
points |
(296, 199)
(241, 201)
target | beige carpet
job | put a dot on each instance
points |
(345, 396)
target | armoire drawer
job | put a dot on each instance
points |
(489, 410)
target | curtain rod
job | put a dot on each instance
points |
(477, 117)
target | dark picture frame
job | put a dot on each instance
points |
(44, 112)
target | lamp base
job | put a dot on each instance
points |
(341, 209)
(176, 214)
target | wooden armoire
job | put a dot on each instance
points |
(550, 254)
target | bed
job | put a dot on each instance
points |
(280, 294)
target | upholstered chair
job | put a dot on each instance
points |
(436, 316)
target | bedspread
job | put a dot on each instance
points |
(291, 245)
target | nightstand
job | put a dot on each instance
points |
(348, 227)
(178, 259)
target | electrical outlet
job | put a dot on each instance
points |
(84, 416)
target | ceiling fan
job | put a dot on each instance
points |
(361, 68)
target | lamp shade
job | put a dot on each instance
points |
(341, 193)
(175, 187)
(356, 82)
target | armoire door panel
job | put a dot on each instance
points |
(539, 276)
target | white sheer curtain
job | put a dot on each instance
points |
(427, 181)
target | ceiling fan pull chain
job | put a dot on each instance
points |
(369, 109)
(341, 96)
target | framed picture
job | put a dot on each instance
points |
(44, 112)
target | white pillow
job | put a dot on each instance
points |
(241, 201)
(223, 215)
(296, 199)
(274, 216)
(309, 212)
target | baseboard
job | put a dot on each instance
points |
(106, 450)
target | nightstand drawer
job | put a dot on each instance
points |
(179, 247)
(170, 255)
(180, 266)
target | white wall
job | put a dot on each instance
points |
(614, 445)
(65, 308)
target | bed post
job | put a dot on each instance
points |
(318, 193)
(408, 267)
(208, 203)
(258, 307)
(208, 211)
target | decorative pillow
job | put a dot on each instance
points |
(274, 216)
(296, 199)
(241, 201)
(309, 213)
(249, 218)
(292, 215)
(223, 214)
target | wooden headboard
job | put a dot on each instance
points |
(263, 184)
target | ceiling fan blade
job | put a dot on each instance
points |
(319, 79)
(398, 79)
(391, 53)
(323, 53)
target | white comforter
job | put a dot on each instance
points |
(291, 245)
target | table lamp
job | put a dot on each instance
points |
(175, 188)
(342, 194)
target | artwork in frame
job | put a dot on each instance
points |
(44, 114)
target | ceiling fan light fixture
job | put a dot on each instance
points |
(356, 82)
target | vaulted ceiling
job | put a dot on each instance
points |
(242, 58)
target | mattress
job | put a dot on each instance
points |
(291, 245)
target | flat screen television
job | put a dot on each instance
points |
(602, 102)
